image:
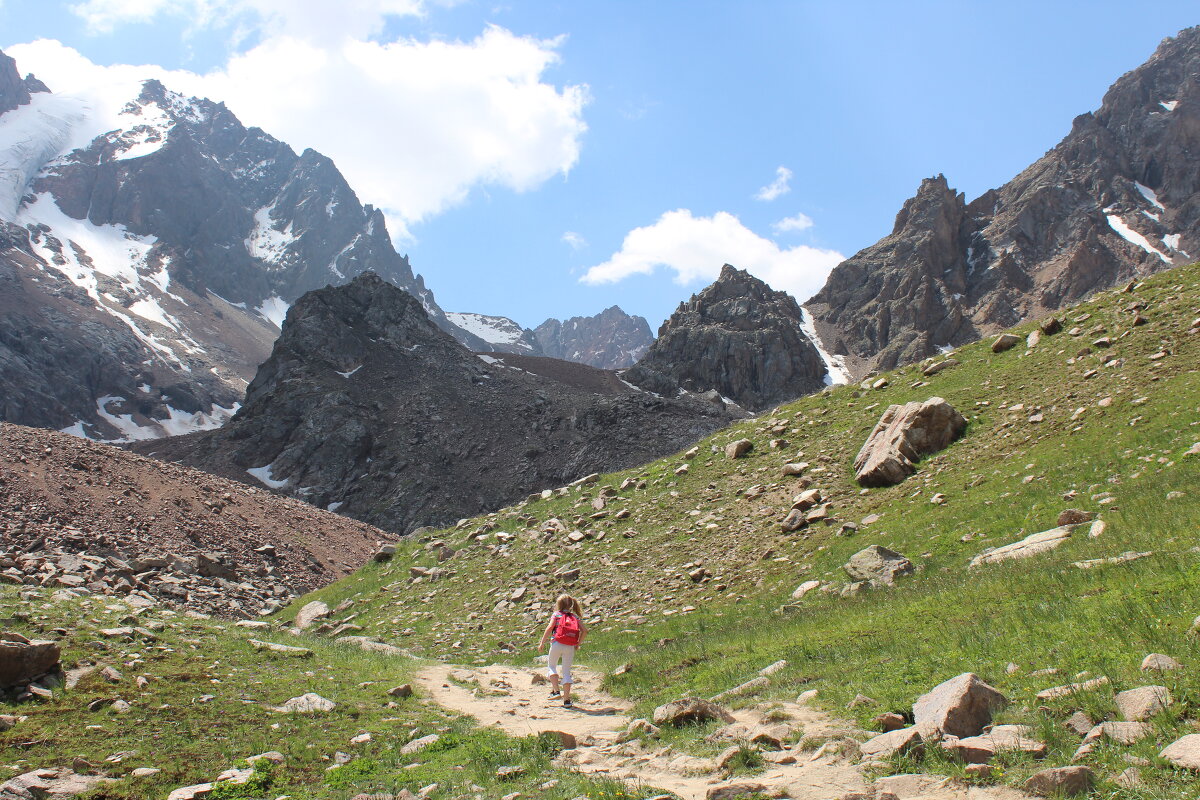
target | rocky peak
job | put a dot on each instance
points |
(738, 337)
(1117, 198)
(15, 91)
(611, 339)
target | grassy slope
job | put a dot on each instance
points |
(1006, 478)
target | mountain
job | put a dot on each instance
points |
(501, 334)
(151, 246)
(611, 339)
(741, 338)
(1117, 198)
(366, 407)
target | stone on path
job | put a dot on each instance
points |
(878, 565)
(961, 706)
(902, 436)
(886, 745)
(690, 709)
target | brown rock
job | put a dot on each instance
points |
(1184, 752)
(981, 749)
(886, 745)
(961, 706)
(1005, 341)
(1157, 662)
(22, 660)
(902, 436)
(730, 791)
(889, 721)
(1073, 516)
(1060, 781)
(1142, 703)
(739, 448)
(690, 709)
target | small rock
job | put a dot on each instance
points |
(417, 745)
(1060, 781)
(308, 703)
(879, 565)
(739, 448)
(310, 613)
(1184, 752)
(961, 706)
(509, 773)
(889, 721)
(1073, 516)
(1005, 341)
(905, 740)
(688, 710)
(1156, 662)
(1142, 703)
(731, 791)
(402, 691)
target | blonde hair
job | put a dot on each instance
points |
(567, 604)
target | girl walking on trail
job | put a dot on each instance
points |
(567, 630)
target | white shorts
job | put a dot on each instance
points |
(566, 652)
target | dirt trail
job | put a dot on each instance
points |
(507, 698)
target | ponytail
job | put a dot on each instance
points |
(565, 604)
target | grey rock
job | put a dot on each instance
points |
(611, 339)
(690, 709)
(878, 565)
(23, 661)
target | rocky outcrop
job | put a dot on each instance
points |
(23, 661)
(903, 435)
(611, 339)
(738, 337)
(1115, 199)
(14, 90)
(368, 408)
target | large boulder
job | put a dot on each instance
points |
(690, 709)
(903, 435)
(878, 565)
(310, 613)
(23, 661)
(1184, 752)
(961, 706)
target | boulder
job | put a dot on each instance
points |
(1142, 703)
(886, 745)
(1183, 753)
(878, 565)
(1005, 341)
(1031, 545)
(938, 366)
(730, 791)
(903, 435)
(1120, 732)
(310, 613)
(690, 709)
(1059, 781)
(23, 661)
(1157, 662)
(419, 744)
(739, 448)
(961, 706)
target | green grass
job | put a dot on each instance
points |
(1007, 477)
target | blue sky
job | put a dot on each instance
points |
(643, 130)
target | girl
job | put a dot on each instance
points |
(567, 629)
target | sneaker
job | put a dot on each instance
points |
(555, 693)
(568, 704)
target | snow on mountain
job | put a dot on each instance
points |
(502, 333)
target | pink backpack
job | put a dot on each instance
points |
(567, 631)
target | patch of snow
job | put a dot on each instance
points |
(957, 296)
(1169, 105)
(223, 300)
(1133, 237)
(274, 310)
(123, 422)
(181, 422)
(1154, 215)
(493, 330)
(30, 136)
(1150, 195)
(835, 366)
(351, 372)
(329, 207)
(145, 388)
(335, 505)
(489, 359)
(1171, 240)
(264, 474)
(945, 348)
(148, 308)
(266, 241)
(76, 430)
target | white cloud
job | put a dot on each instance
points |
(576, 241)
(799, 222)
(321, 20)
(777, 187)
(413, 125)
(695, 248)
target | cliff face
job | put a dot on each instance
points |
(738, 337)
(1119, 197)
(367, 408)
